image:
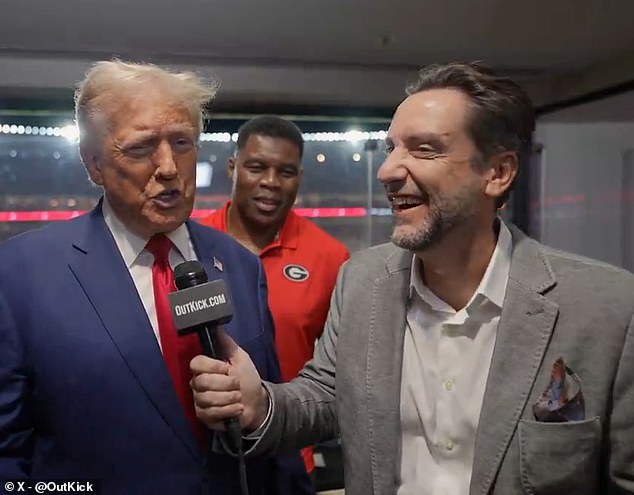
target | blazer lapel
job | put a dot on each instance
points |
(100, 270)
(205, 249)
(216, 257)
(524, 330)
(217, 267)
(384, 361)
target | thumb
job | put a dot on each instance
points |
(228, 346)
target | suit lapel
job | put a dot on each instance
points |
(384, 363)
(205, 249)
(524, 330)
(102, 274)
(220, 263)
(217, 267)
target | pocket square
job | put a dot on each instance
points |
(563, 399)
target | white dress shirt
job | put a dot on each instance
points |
(139, 261)
(446, 360)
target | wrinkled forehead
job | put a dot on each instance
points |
(123, 103)
(274, 148)
(433, 111)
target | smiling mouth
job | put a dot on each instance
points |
(401, 203)
(267, 204)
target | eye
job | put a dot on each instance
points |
(288, 172)
(254, 167)
(183, 144)
(389, 148)
(139, 150)
(424, 152)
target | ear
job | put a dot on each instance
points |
(92, 163)
(231, 166)
(501, 171)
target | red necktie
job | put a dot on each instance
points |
(177, 351)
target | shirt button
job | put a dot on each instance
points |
(449, 445)
(448, 384)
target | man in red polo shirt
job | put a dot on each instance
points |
(301, 261)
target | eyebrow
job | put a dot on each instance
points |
(142, 134)
(181, 128)
(439, 141)
(260, 160)
(171, 128)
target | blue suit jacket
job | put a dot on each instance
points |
(84, 391)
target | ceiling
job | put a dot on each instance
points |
(332, 52)
(616, 108)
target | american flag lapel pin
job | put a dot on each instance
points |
(218, 264)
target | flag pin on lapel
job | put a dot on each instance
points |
(218, 264)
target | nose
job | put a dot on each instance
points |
(393, 169)
(165, 162)
(270, 178)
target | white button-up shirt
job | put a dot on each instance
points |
(446, 360)
(139, 261)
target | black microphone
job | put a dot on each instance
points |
(201, 306)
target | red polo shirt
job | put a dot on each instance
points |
(301, 267)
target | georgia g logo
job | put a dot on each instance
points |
(295, 273)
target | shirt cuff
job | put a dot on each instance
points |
(257, 433)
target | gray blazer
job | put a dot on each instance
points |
(556, 304)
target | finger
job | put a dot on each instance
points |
(207, 382)
(214, 417)
(217, 399)
(203, 364)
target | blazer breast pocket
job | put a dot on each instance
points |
(558, 458)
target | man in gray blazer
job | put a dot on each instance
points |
(464, 357)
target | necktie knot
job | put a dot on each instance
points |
(159, 245)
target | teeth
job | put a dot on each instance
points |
(405, 201)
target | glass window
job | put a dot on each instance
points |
(42, 178)
(583, 186)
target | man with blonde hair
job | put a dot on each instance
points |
(94, 380)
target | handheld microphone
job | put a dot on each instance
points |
(201, 306)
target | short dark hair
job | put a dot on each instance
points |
(502, 116)
(271, 126)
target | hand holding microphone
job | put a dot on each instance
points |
(225, 381)
(223, 390)
(201, 306)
